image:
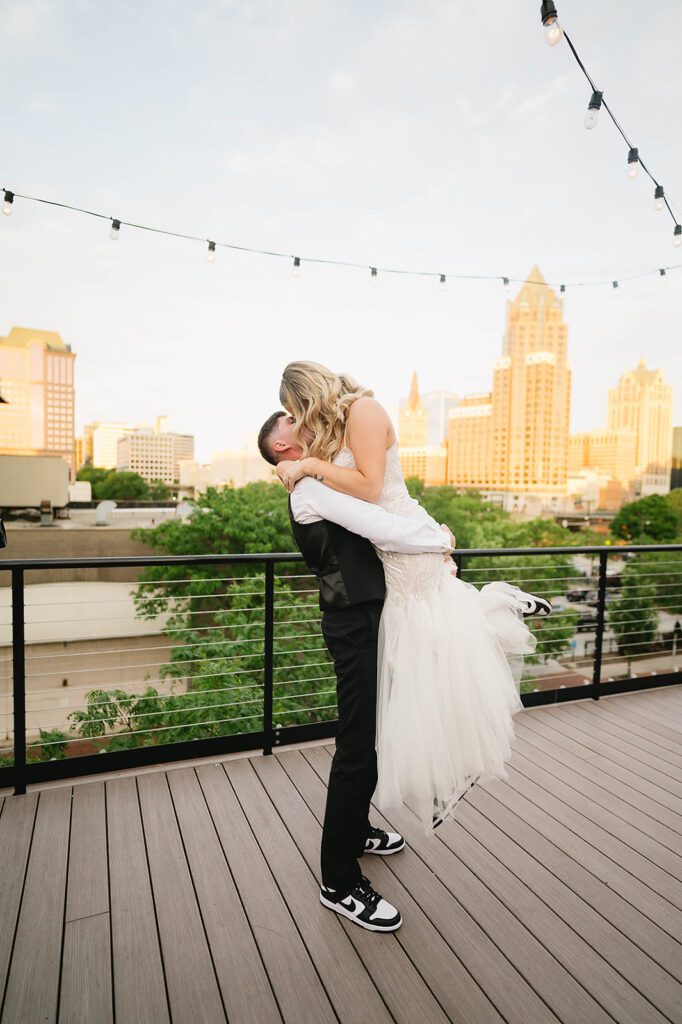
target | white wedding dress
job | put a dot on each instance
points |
(450, 657)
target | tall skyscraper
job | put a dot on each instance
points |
(37, 414)
(414, 424)
(154, 454)
(100, 440)
(417, 457)
(515, 439)
(438, 405)
(642, 402)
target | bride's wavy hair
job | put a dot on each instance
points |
(319, 400)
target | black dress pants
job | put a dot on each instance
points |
(351, 638)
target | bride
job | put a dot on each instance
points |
(450, 655)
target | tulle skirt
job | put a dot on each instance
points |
(450, 661)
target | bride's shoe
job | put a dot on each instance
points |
(531, 604)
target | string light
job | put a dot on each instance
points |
(296, 269)
(8, 205)
(550, 23)
(616, 287)
(442, 282)
(116, 224)
(633, 164)
(594, 106)
(664, 276)
(548, 15)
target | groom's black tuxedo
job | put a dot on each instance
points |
(352, 590)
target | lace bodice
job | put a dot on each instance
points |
(406, 575)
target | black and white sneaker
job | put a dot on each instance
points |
(382, 842)
(363, 905)
(531, 604)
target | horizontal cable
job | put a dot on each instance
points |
(155, 598)
(143, 732)
(324, 707)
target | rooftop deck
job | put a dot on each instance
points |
(191, 894)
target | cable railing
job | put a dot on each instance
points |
(228, 656)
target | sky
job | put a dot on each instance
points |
(433, 136)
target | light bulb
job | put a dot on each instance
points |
(592, 115)
(616, 288)
(442, 282)
(210, 256)
(562, 289)
(677, 236)
(505, 282)
(659, 201)
(114, 230)
(550, 23)
(633, 164)
(664, 276)
(8, 205)
(374, 278)
(296, 269)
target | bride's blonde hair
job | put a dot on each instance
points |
(319, 400)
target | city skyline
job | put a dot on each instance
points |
(303, 133)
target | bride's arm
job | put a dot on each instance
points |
(370, 427)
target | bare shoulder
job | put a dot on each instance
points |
(367, 412)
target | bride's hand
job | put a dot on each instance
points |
(290, 471)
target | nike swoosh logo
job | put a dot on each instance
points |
(352, 906)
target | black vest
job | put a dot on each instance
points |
(346, 566)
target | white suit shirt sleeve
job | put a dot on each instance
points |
(312, 501)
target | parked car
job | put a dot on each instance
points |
(577, 594)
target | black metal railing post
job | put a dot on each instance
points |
(19, 681)
(599, 629)
(268, 656)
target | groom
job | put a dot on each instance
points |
(335, 533)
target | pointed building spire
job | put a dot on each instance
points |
(414, 401)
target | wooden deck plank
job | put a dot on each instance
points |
(459, 998)
(601, 806)
(139, 984)
(594, 974)
(86, 963)
(612, 740)
(632, 713)
(562, 748)
(190, 975)
(641, 738)
(510, 813)
(638, 980)
(506, 989)
(397, 986)
(660, 719)
(300, 994)
(639, 884)
(87, 890)
(549, 976)
(16, 830)
(668, 787)
(243, 980)
(620, 841)
(33, 982)
(86, 972)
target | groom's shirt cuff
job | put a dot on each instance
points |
(312, 501)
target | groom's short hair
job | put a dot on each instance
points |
(264, 436)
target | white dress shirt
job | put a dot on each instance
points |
(312, 501)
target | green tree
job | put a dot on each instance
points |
(159, 491)
(554, 634)
(649, 520)
(674, 499)
(123, 486)
(632, 615)
(95, 475)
